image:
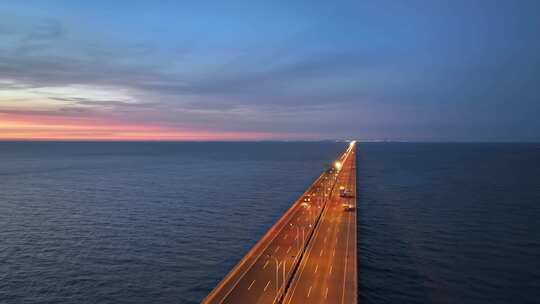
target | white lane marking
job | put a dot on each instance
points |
(326, 293)
(266, 264)
(272, 239)
(309, 291)
(251, 284)
(334, 252)
(316, 268)
(277, 248)
(320, 254)
(289, 249)
(266, 285)
(325, 239)
(330, 272)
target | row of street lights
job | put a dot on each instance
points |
(321, 200)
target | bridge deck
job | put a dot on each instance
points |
(277, 267)
(327, 272)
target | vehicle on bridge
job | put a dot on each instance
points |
(344, 192)
(348, 207)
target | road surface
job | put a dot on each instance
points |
(265, 273)
(328, 272)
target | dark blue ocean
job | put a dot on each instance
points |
(164, 222)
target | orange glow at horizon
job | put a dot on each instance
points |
(37, 127)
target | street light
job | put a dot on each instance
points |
(277, 273)
(284, 261)
(298, 237)
(338, 165)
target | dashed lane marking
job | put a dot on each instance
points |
(251, 284)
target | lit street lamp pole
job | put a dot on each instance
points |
(298, 237)
(278, 263)
(277, 275)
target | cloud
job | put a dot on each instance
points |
(81, 101)
(342, 71)
(231, 99)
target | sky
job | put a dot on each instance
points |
(270, 70)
